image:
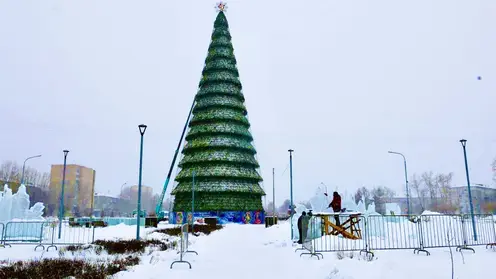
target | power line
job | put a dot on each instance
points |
(287, 166)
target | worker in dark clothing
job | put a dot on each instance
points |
(336, 206)
(300, 227)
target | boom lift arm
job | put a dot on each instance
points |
(158, 208)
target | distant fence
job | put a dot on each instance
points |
(113, 221)
(44, 233)
(183, 246)
(109, 221)
(378, 232)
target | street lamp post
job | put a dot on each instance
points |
(273, 197)
(291, 187)
(193, 202)
(61, 208)
(464, 143)
(142, 129)
(24, 165)
(406, 182)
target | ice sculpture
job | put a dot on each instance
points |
(371, 210)
(6, 204)
(361, 206)
(20, 203)
(319, 201)
(349, 203)
(35, 212)
(393, 209)
(16, 206)
(375, 225)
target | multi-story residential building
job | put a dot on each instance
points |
(147, 201)
(483, 198)
(111, 206)
(146, 191)
(79, 189)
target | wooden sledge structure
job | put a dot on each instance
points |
(349, 229)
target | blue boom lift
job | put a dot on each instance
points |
(158, 209)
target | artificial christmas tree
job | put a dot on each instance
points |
(218, 155)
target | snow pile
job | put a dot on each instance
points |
(427, 212)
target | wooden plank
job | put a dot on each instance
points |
(350, 223)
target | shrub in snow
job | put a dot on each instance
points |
(130, 246)
(117, 247)
(64, 268)
(205, 229)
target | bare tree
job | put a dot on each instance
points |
(9, 171)
(378, 193)
(443, 182)
(382, 193)
(366, 196)
(429, 180)
(417, 185)
(31, 176)
(390, 193)
(283, 209)
(450, 239)
(363, 193)
(44, 180)
(358, 195)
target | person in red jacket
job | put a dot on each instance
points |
(336, 206)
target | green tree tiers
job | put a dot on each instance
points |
(219, 143)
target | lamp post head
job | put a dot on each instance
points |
(142, 128)
(290, 150)
(65, 152)
(463, 142)
(390, 152)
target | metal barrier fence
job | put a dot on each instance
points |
(44, 233)
(378, 232)
(183, 246)
(394, 233)
(2, 245)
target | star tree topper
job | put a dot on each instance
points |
(221, 6)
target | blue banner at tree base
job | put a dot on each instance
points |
(223, 217)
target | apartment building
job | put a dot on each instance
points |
(79, 189)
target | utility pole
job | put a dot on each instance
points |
(273, 197)
(291, 188)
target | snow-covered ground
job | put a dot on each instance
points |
(252, 251)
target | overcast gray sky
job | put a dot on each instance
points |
(340, 82)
